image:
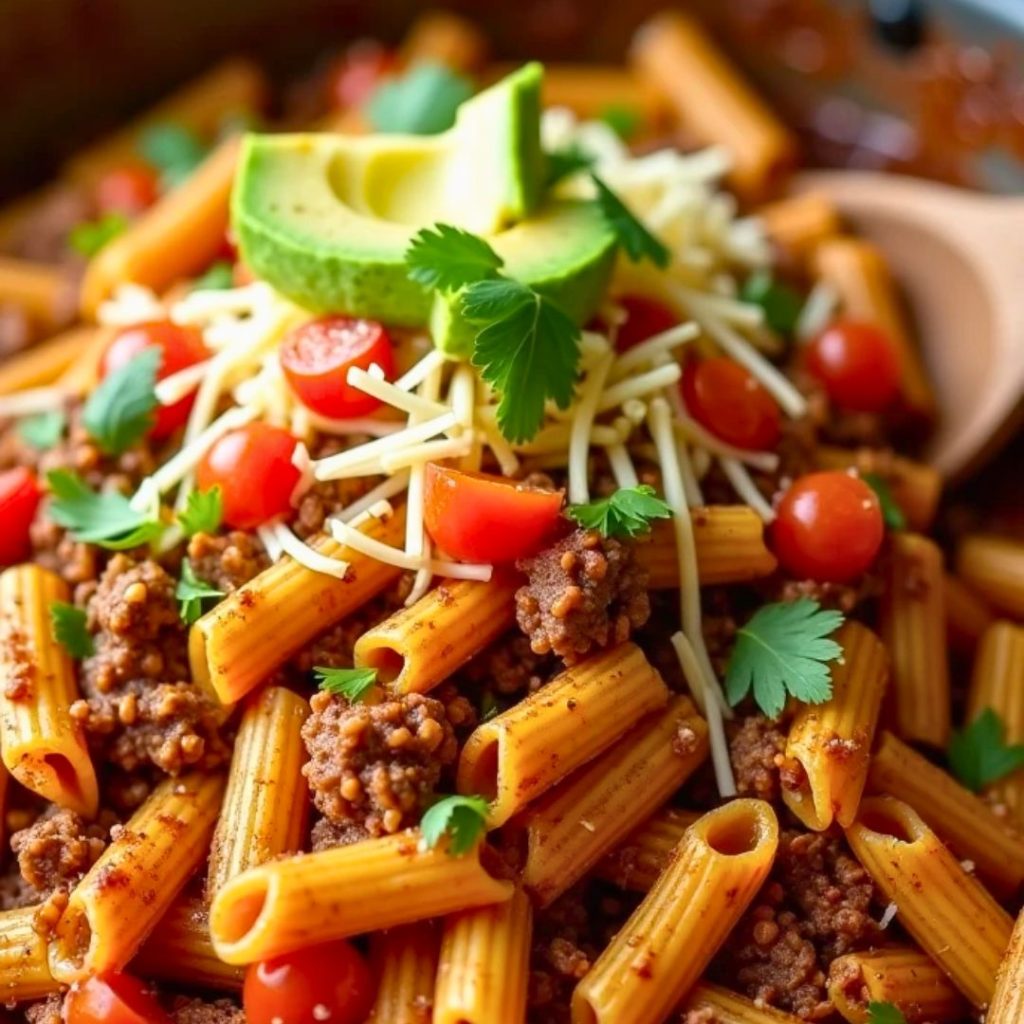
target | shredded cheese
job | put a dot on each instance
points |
(32, 401)
(639, 386)
(738, 476)
(582, 428)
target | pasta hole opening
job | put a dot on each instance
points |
(583, 1012)
(243, 915)
(62, 768)
(886, 823)
(734, 837)
(485, 774)
(388, 662)
(74, 939)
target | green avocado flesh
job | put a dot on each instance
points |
(327, 219)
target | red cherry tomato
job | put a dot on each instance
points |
(828, 527)
(181, 347)
(329, 982)
(317, 356)
(476, 517)
(19, 498)
(358, 73)
(857, 364)
(128, 190)
(730, 402)
(112, 999)
(253, 468)
(644, 318)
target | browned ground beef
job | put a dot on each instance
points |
(228, 562)
(59, 848)
(585, 591)
(15, 892)
(509, 666)
(48, 1011)
(191, 1010)
(756, 749)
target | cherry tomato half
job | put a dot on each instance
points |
(129, 190)
(857, 364)
(253, 468)
(644, 318)
(181, 347)
(112, 999)
(476, 517)
(328, 982)
(730, 402)
(828, 528)
(19, 499)
(358, 73)
(317, 356)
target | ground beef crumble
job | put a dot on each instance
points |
(59, 848)
(227, 563)
(509, 666)
(46, 1012)
(585, 591)
(191, 1010)
(756, 748)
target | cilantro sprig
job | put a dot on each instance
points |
(561, 163)
(353, 684)
(191, 592)
(120, 411)
(203, 511)
(892, 514)
(107, 518)
(463, 819)
(622, 120)
(217, 277)
(173, 150)
(979, 754)
(885, 1013)
(88, 237)
(783, 650)
(630, 233)
(69, 628)
(450, 258)
(781, 305)
(626, 513)
(423, 101)
(43, 430)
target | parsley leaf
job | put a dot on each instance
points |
(191, 592)
(626, 513)
(527, 349)
(43, 430)
(218, 277)
(885, 1013)
(564, 162)
(638, 242)
(421, 102)
(353, 683)
(462, 818)
(120, 410)
(90, 236)
(203, 511)
(979, 755)
(892, 514)
(107, 519)
(780, 303)
(69, 630)
(450, 258)
(622, 120)
(174, 150)
(782, 649)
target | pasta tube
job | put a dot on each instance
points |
(127, 891)
(42, 747)
(316, 897)
(913, 620)
(673, 53)
(43, 291)
(573, 825)
(994, 567)
(266, 802)
(485, 964)
(1007, 1006)
(524, 751)
(24, 971)
(714, 873)
(832, 741)
(729, 1008)
(418, 647)
(636, 864)
(730, 548)
(960, 818)
(967, 615)
(405, 963)
(798, 224)
(254, 629)
(905, 977)
(947, 911)
(44, 363)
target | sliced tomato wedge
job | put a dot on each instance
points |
(730, 402)
(19, 499)
(127, 190)
(644, 318)
(112, 999)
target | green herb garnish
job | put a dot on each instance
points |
(43, 430)
(450, 258)
(626, 513)
(173, 150)
(191, 592)
(107, 519)
(780, 303)
(218, 277)
(979, 754)
(351, 683)
(462, 818)
(624, 121)
(68, 625)
(90, 236)
(120, 411)
(203, 511)
(885, 1013)
(423, 101)
(892, 514)
(561, 163)
(638, 242)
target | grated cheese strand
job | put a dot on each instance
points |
(175, 387)
(738, 476)
(582, 427)
(390, 488)
(31, 401)
(305, 555)
(640, 385)
(389, 394)
(647, 352)
(622, 466)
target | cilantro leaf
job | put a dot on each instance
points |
(979, 754)
(120, 410)
(638, 242)
(780, 303)
(564, 162)
(527, 349)
(782, 650)
(462, 818)
(43, 430)
(885, 1013)
(450, 258)
(107, 519)
(203, 511)
(218, 277)
(172, 149)
(191, 592)
(421, 102)
(892, 514)
(352, 683)
(622, 120)
(90, 236)
(69, 629)
(626, 513)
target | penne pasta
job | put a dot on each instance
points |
(24, 970)
(705, 92)
(257, 627)
(405, 964)
(445, 38)
(42, 746)
(266, 803)
(572, 826)
(49, 361)
(713, 874)
(524, 751)
(967, 615)
(485, 964)
(947, 911)
(913, 625)
(44, 292)
(1007, 1006)
(994, 567)
(315, 897)
(900, 975)
(636, 864)
(418, 647)
(730, 548)
(798, 224)
(726, 1007)
(127, 891)
(832, 741)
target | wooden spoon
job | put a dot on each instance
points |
(959, 257)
